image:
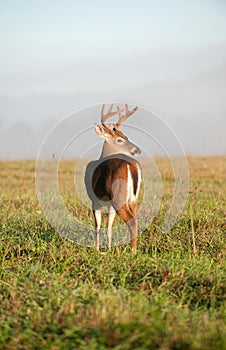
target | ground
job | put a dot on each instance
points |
(55, 294)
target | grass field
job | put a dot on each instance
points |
(170, 295)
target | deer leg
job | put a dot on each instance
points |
(132, 224)
(129, 217)
(97, 216)
(111, 217)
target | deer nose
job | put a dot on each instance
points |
(136, 151)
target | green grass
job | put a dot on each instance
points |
(170, 295)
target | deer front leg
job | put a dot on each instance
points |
(111, 217)
(97, 216)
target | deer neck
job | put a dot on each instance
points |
(108, 150)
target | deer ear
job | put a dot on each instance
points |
(102, 132)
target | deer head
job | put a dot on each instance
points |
(115, 141)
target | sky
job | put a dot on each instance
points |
(58, 56)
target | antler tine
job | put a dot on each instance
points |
(127, 114)
(108, 115)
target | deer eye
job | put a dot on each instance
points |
(120, 141)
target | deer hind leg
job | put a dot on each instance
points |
(128, 215)
(111, 217)
(97, 217)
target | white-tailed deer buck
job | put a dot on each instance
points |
(114, 179)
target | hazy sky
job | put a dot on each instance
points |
(56, 56)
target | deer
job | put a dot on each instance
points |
(114, 180)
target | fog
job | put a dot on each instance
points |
(193, 104)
